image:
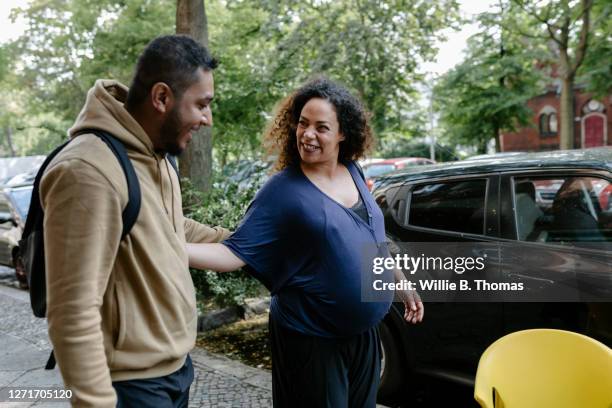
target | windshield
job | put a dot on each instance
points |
(378, 169)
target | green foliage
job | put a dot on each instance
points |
(70, 43)
(42, 135)
(596, 70)
(372, 46)
(241, 92)
(266, 48)
(488, 91)
(4, 61)
(125, 30)
(23, 130)
(231, 288)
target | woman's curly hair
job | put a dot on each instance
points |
(280, 137)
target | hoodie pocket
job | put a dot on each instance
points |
(120, 315)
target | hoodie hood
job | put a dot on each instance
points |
(104, 109)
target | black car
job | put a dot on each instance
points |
(552, 208)
(14, 205)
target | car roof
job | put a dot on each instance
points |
(495, 155)
(596, 158)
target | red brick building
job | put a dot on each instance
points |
(592, 124)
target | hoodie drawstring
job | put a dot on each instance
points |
(171, 191)
(161, 186)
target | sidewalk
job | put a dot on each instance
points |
(25, 347)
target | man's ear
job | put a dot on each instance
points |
(162, 97)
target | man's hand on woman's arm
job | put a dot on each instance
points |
(216, 257)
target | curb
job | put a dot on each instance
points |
(252, 307)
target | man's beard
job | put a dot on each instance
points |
(170, 132)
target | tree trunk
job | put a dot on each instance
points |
(497, 137)
(482, 146)
(196, 161)
(9, 140)
(566, 115)
(568, 68)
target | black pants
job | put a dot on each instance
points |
(170, 391)
(310, 371)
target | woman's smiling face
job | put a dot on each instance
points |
(318, 133)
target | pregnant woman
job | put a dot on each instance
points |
(304, 237)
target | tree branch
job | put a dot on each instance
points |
(552, 35)
(513, 28)
(534, 13)
(546, 19)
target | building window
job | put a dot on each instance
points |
(544, 130)
(548, 124)
(552, 123)
(593, 106)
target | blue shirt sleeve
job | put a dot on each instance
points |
(261, 239)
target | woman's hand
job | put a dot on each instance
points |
(216, 257)
(414, 308)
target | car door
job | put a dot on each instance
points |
(558, 229)
(440, 211)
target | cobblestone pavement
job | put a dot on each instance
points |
(24, 349)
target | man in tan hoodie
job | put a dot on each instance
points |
(122, 312)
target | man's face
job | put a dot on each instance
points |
(189, 112)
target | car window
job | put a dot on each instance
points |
(563, 209)
(376, 170)
(453, 206)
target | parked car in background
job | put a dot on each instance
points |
(14, 205)
(23, 178)
(378, 168)
(12, 166)
(370, 160)
(551, 207)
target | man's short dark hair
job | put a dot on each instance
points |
(171, 59)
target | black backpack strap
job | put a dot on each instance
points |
(35, 208)
(131, 210)
(50, 362)
(31, 243)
